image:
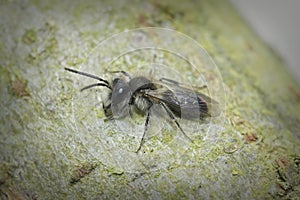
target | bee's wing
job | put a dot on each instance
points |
(213, 107)
(185, 90)
(167, 97)
(184, 102)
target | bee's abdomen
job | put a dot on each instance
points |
(202, 106)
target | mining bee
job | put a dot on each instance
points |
(139, 94)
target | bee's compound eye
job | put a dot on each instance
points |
(120, 98)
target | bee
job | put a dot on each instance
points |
(139, 94)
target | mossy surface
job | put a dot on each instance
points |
(55, 143)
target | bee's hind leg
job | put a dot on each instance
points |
(175, 121)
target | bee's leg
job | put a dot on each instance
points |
(166, 80)
(175, 121)
(122, 72)
(145, 130)
(154, 58)
(107, 112)
(131, 107)
(108, 119)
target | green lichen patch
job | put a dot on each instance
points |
(29, 37)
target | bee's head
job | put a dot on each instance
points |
(120, 98)
(115, 82)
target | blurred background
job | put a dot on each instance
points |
(278, 23)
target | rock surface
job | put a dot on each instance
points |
(55, 143)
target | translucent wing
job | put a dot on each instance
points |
(184, 102)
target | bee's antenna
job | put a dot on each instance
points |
(120, 71)
(88, 75)
(95, 85)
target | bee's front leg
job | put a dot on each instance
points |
(108, 112)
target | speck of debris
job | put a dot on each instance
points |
(282, 162)
(234, 172)
(81, 172)
(295, 93)
(19, 88)
(230, 148)
(10, 193)
(250, 137)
